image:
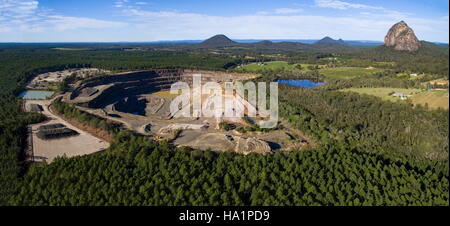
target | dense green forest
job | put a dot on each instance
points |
(12, 139)
(364, 122)
(370, 152)
(136, 171)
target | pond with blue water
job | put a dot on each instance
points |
(35, 95)
(304, 83)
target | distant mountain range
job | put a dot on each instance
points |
(328, 40)
(360, 43)
(395, 38)
(304, 41)
(222, 41)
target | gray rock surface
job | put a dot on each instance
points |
(401, 37)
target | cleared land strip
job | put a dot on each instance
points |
(433, 98)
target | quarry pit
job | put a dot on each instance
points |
(140, 101)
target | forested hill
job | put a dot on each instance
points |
(429, 58)
(368, 124)
(217, 41)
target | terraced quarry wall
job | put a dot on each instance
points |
(124, 85)
(216, 76)
(102, 91)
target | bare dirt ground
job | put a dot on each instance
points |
(48, 150)
(42, 80)
(205, 141)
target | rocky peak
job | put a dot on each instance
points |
(402, 37)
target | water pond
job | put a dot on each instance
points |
(303, 83)
(35, 95)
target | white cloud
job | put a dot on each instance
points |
(26, 16)
(282, 23)
(336, 4)
(371, 11)
(120, 3)
(137, 24)
(172, 25)
(391, 14)
(64, 23)
(61, 23)
(425, 29)
(167, 25)
(262, 13)
(17, 9)
(287, 11)
(280, 11)
(4, 28)
(141, 3)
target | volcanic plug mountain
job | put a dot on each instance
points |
(401, 37)
(218, 40)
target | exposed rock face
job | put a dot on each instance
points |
(402, 37)
(123, 85)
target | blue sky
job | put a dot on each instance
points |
(153, 20)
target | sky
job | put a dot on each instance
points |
(156, 20)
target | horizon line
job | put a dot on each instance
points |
(195, 40)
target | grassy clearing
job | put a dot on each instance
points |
(383, 93)
(383, 64)
(71, 49)
(339, 72)
(348, 72)
(434, 98)
(404, 75)
(436, 82)
(273, 65)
